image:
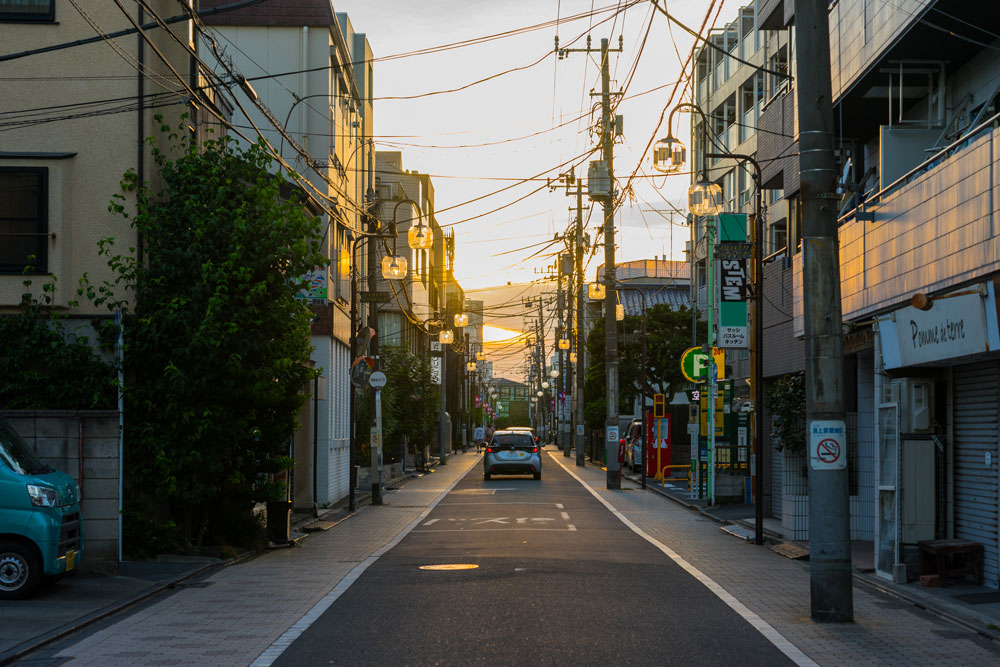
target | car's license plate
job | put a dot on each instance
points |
(520, 455)
(70, 560)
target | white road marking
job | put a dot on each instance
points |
(522, 520)
(560, 506)
(490, 504)
(565, 516)
(274, 651)
(571, 528)
(759, 624)
(432, 522)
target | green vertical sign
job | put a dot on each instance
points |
(734, 277)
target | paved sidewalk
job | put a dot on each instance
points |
(971, 605)
(80, 600)
(886, 631)
(235, 614)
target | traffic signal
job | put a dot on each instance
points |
(659, 406)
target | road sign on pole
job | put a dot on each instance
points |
(694, 364)
(827, 444)
(659, 406)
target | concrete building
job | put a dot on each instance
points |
(915, 92)
(325, 108)
(429, 297)
(75, 120)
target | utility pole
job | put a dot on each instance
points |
(579, 427)
(574, 281)
(557, 384)
(829, 511)
(565, 370)
(542, 376)
(608, 125)
(376, 445)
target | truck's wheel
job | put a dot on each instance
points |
(20, 570)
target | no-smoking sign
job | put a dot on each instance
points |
(827, 445)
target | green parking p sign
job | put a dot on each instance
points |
(694, 364)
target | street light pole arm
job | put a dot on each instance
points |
(395, 208)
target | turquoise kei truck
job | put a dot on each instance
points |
(40, 523)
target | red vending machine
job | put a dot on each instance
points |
(657, 441)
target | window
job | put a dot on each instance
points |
(778, 237)
(23, 218)
(390, 330)
(27, 10)
(342, 264)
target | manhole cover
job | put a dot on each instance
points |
(450, 566)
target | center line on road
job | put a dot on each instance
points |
(763, 627)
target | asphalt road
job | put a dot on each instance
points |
(558, 580)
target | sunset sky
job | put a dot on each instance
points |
(525, 124)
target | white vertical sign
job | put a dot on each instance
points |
(435, 363)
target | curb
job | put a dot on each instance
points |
(19, 651)
(870, 582)
(24, 648)
(861, 579)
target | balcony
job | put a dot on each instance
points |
(933, 229)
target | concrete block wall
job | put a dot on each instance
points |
(59, 437)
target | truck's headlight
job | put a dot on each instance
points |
(43, 496)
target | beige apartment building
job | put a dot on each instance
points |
(75, 117)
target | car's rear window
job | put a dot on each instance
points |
(515, 440)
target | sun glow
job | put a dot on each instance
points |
(495, 334)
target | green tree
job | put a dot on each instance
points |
(785, 400)
(217, 345)
(49, 362)
(668, 334)
(409, 404)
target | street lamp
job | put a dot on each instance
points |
(393, 267)
(596, 291)
(446, 336)
(705, 198)
(554, 373)
(564, 343)
(471, 367)
(619, 312)
(669, 154)
(572, 357)
(420, 236)
(461, 320)
(545, 385)
(538, 395)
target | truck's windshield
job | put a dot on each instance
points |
(16, 454)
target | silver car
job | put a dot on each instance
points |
(512, 453)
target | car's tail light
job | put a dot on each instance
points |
(491, 450)
(535, 450)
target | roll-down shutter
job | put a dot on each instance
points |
(975, 481)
